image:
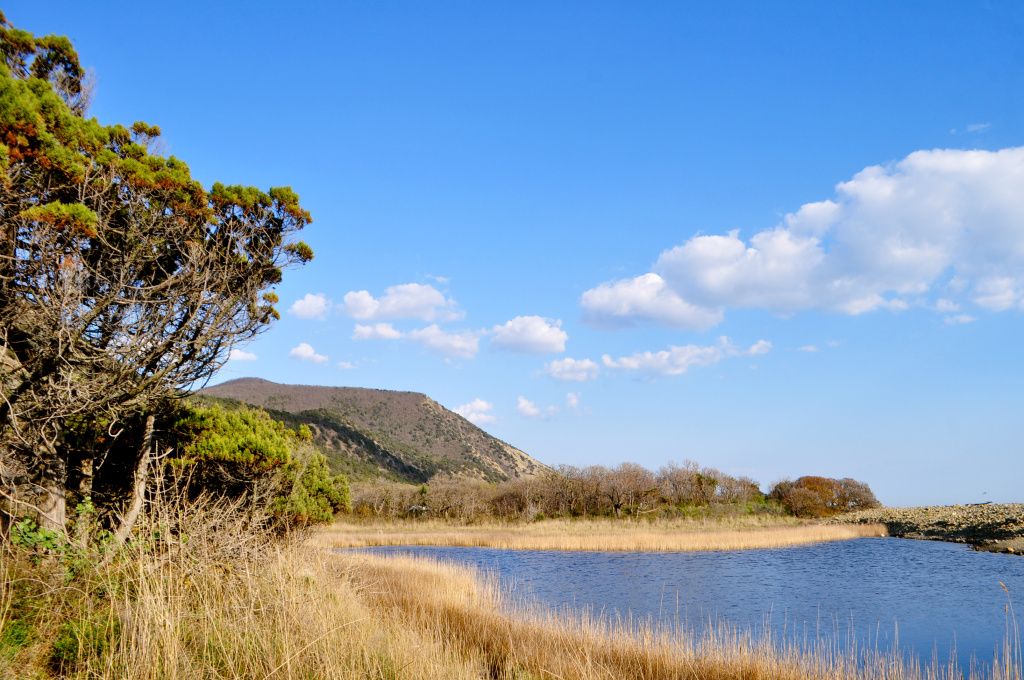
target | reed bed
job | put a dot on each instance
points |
(216, 598)
(472, 616)
(592, 535)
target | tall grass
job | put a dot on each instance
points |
(205, 592)
(593, 535)
(534, 643)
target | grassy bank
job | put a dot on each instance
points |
(294, 612)
(737, 533)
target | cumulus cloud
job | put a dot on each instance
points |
(677, 360)
(305, 352)
(644, 298)
(477, 411)
(405, 301)
(959, 319)
(575, 370)
(572, 400)
(527, 408)
(759, 347)
(808, 348)
(346, 365)
(311, 306)
(938, 225)
(462, 345)
(533, 334)
(241, 355)
(377, 331)
(978, 127)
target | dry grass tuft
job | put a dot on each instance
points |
(593, 535)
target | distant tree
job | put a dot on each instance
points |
(812, 496)
(122, 280)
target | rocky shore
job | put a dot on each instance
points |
(994, 527)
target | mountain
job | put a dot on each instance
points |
(405, 436)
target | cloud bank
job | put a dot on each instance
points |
(404, 301)
(938, 225)
(677, 360)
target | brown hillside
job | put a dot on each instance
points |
(405, 435)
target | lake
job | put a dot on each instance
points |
(938, 597)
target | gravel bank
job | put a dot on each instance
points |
(995, 527)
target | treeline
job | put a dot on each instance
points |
(628, 490)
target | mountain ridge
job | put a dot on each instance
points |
(374, 432)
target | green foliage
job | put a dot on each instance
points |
(27, 534)
(316, 495)
(247, 437)
(81, 639)
(241, 451)
(14, 635)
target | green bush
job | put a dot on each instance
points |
(244, 453)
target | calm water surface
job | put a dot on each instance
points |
(939, 596)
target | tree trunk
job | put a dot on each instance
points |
(50, 500)
(138, 491)
(81, 470)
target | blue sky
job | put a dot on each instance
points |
(775, 238)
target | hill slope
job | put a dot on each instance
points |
(366, 432)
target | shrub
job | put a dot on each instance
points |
(244, 453)
(813, 496)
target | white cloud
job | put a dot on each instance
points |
(527, 408)
(644, 298)
(759, 347)
(940, 224)
(346, 365)
(241, 355)
(572, 399)
(311, 306)
(477, 411)
(677, 360)
(377, 331)
(978, 127)
(958, 319)
(532, 334)
(577, 370)
(808, 348)
(405, 301)
(463, 345)
(305, 352)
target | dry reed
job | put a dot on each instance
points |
(591, 535)
(204, 593)
(533, 643)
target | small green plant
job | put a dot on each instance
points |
(82, 639)
(14, 635)
(29, 535)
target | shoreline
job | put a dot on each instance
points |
(995, 527)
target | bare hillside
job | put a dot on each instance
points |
(404, 435)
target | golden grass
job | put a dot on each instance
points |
(596, 535)
(226, 603)
(472, 617)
